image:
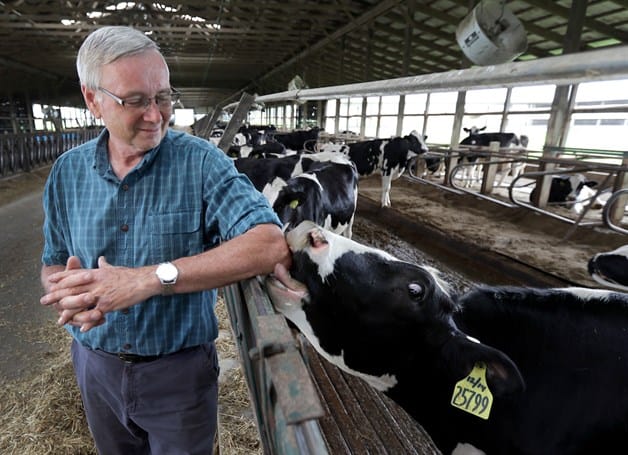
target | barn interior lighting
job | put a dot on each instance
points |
(166, 8)
(123, 5)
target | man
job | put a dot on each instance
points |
(141, 226)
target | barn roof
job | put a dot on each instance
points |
(218, 48)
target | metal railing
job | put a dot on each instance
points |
(22, 152)
(286, 403)
(454, 177)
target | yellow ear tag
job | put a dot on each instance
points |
(294, 204)
(471, 394)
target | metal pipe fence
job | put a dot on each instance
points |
(22, 152)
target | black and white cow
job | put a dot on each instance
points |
(216, 134)
(501, 369)
(572, 190)
(510, 141)
(611, 268)
(320, 187)
(391, 157)
(257, 135)
(327, 194)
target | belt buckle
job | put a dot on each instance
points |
(128, 358)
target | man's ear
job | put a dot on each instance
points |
(89, 95)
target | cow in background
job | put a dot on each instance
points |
(574, 191)
(320, 187)
(610, 268)
(267, 150)
(516, 147)
(257, 135)
(327, 194)
(391, 157)
(216, 134)
(507, 370)
(300, 140)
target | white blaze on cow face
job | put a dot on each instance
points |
(325, 248)
(289, 301)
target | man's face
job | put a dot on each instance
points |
(132, 128)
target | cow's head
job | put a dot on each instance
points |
(385, 320)
(299, 199)
(610, 268)
(417, 142)
(474, 130)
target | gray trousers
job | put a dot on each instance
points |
(167, 406)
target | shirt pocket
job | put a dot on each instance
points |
(174, 234)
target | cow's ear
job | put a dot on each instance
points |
(502, 375)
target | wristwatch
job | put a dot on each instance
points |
(167, 274)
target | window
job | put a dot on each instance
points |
(487, 100)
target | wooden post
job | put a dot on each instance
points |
(246, 100)
(489, 170)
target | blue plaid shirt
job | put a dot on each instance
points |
(183, 198)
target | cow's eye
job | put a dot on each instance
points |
(416, 291)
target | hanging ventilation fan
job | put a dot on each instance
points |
(491, 34)
(297, 83)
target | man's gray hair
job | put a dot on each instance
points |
(106, 45)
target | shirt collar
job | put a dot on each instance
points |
(101, 157)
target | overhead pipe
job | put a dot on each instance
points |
(596, 65)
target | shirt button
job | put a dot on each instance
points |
(125, 311)
(124, 227)
(126, 347)
(125, 187)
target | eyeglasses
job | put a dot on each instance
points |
(164, 100)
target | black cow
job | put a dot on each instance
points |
(266, 150)
(391, 157)
(263, 171)
(515, 145)
(300, 140)
(548, 376)
(610, 268)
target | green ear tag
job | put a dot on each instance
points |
(294, 204)
(471, 394)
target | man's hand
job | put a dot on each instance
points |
(83, 296)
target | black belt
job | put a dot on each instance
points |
(134, 358)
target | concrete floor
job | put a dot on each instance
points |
(21, 315)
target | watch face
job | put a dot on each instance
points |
(167, 272)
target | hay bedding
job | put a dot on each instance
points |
(43, 414)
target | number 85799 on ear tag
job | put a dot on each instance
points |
(471, 394)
